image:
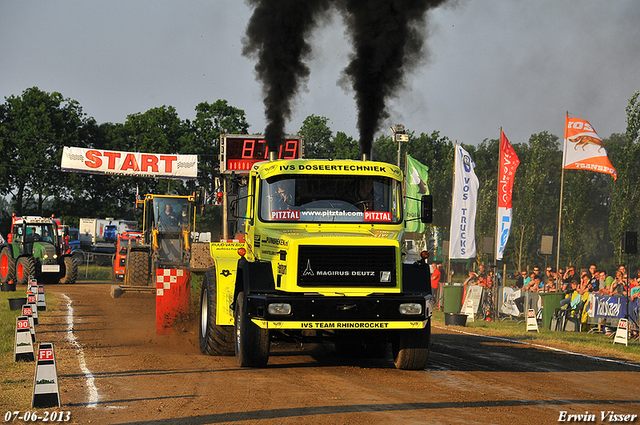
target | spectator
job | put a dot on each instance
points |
(569, 293)
(527, 279)
(622, 269)
(534, 284)
(602, 275)
(550, 286)
(533, 288)
(482, 271)
(536, 270)
(608, 280)
(617, 286)
(570, 275)
(491, 279)
(635, 290)
(435, 282)
(471, 280)
(585, 280)
(520, 279)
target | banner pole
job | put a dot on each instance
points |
(561, 194)
(496, 241)
(453, 188)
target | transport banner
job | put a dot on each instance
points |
(509, 162)
(462, 243)
(583, 148)
(100, 161)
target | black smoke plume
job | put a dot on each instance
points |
(388, 39)
(276, 35)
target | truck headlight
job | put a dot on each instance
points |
(280, 309)
(410, 308)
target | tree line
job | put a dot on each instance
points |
(35, 126)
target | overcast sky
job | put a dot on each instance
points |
(492, 63)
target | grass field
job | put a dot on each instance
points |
(595, 344)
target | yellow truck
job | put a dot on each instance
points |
(320, 258)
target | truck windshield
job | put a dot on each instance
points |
(345, 199)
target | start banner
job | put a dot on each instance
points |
(99, 161)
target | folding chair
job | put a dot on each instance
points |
(573, 318)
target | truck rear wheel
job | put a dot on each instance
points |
(215, 340)
(70, 271)
(411, 348)
(7, 265)
(251, 342)
(25, 268)
(138, 269)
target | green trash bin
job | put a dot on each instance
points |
(550, 301)
(452, 302)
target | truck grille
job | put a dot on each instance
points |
(346, 266)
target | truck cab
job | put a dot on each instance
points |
(124, 241)
(322, 259)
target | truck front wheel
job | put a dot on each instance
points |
(25, 268)
(7, 265)
(252, 343)
(411, 348)
(215, 340)
(70, 271)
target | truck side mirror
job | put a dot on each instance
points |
(426, 209)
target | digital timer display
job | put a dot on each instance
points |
(239, 153)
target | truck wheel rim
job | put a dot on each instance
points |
(4, 266)
(20, 271)
(204, 313)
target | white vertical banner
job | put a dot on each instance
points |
(462, 239)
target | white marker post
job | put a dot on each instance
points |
(27, 311)
(32, 300)
(468, 310)
(23, 349)
(45, 385)
(532, 323)
(42, 302)
(622, 333)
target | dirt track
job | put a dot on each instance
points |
(144, 378)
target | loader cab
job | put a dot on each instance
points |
(167, 227)
(171, 215)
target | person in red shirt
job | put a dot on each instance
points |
(435, 283)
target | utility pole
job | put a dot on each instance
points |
(399, 136)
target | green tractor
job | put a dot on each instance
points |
(34, 249)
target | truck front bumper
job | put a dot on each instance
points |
(380, 312)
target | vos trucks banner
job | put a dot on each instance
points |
(462, 243)
(99, 161)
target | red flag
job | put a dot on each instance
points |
(583, 148)
(509, 162)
